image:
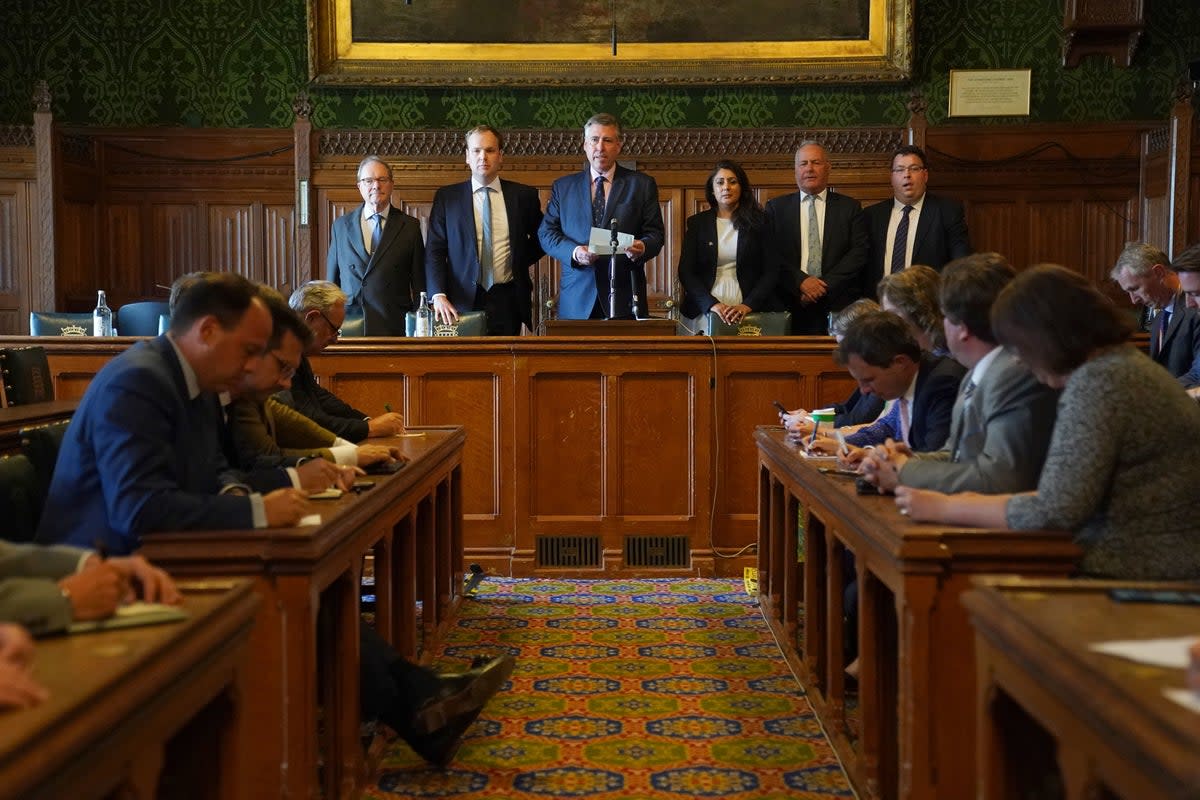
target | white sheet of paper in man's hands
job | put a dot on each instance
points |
(600, 241)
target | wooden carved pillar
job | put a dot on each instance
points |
(1181, 125)
(302, 138)
(42, 288)
(1109, 28)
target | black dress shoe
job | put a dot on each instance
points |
(440, 746)
(461, 695)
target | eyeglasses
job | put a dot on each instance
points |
(909, 170)
(286, 370)
(337, 332)
(373, 181)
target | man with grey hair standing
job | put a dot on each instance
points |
(821, 240)
(376, 254)
(1144, 273)
(602, 195)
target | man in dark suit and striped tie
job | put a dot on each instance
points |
(913, 226)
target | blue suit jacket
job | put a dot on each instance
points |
(938, 379)
(843, 257)
(757, 272)
(140, 456)
(451, 258)
(941, 237)
(1180, 352)
(633, 201)
(385, 284)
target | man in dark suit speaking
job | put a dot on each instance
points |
(593, 199)
(914, 226)
(483, 238)
(820, 241)
(376, 254)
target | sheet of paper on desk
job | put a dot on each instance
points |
(816, 456)
(131, 615)
(1170, 653)
(600, 241)
(1185, 697)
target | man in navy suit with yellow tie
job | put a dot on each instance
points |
(376, 254)
(593, 198)
(483, 239)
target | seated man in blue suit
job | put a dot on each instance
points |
(594, 198)
(1145, 273)
(482, 241)
(913, 226)
(142, 454)
(880, 352)
(142, 451)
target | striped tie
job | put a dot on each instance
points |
(900, 243)
(486, 254)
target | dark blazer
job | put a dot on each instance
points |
(1180, 352)
(941, 237)
(451, 260)
(385, 285)
(633, 201)
(857, 409)
(938, 379)
(998, 441)
(843, 257)
(138, 456)
(323, 406)
(757, 273)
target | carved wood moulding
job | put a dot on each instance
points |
(16, 136)
(648, 143)
(1109, 28)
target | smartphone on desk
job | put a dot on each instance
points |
(386, 467)
(1169, 596)
(361, 485)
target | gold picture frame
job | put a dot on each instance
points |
(660, 53)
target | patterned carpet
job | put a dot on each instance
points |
(647, 689)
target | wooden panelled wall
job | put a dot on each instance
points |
(133, 209)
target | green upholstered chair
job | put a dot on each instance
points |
(471, 323)
(757, 323)
(40, 445)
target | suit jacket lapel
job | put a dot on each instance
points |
(466, 225)
(924, 224)
(354, 234)
(1177, 307)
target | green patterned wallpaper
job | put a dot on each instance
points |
(238, 63)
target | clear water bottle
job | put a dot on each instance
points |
(424, 318)
(102, 323)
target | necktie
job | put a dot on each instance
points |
(486, 274)
(598, 204)
(904, 423)
(900, 244)
(813, 264)
(376, 231)
(959, 421)
(968, 390)
(1162, 328)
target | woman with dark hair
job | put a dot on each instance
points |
(912, 294)
(724, 266)
(1123, 468)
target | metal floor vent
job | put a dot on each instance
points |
(656, 551)
(568, 551)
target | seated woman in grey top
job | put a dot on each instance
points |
(1123, 467)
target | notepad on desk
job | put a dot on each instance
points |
(331, 493)
(130, 616)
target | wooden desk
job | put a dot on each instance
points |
(305, 643)
(154, 711)
(916, 664)
(14, 418)
(1042, 693)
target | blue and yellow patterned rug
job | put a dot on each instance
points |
(647, 689)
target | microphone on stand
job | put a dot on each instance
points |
(612, 270)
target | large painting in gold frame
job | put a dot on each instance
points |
(571, 43)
